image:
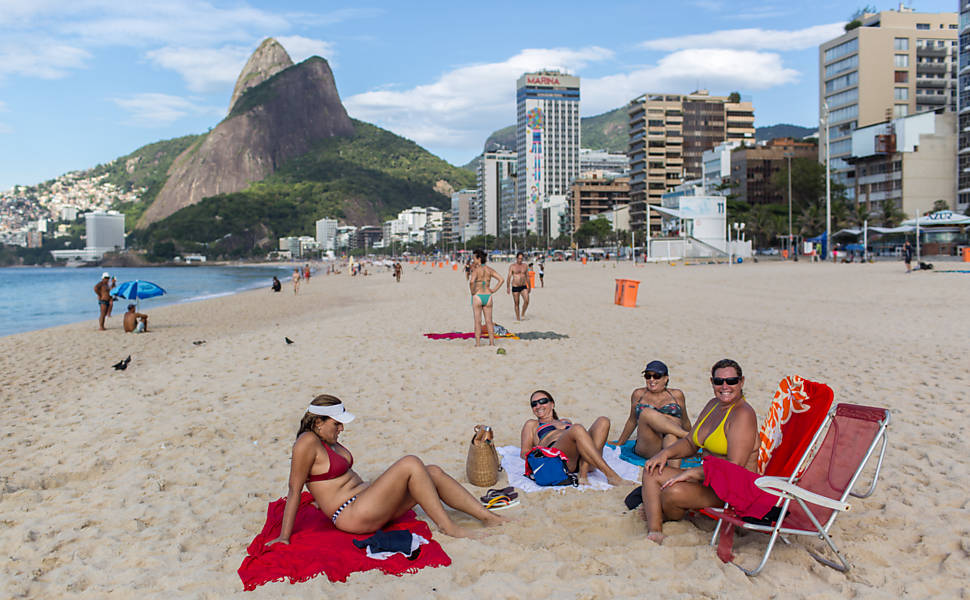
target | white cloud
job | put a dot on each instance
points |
(41, 58)
(464, 105)
(750, 39)
(301, 48)
(685, 71)
(204, 69)
(156, 110)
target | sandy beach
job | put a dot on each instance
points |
(152, 481)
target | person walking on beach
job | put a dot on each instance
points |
(102, 290)
(518, 285)
(296, 280)
(542, 273)
(135, 321)
(306, 272)
(397, 271)
(908, 256)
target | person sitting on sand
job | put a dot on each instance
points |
(479, 282)
(583, 449)
(135, 321)
(727, 427)
(323, 465)
(277, 285)
(658, 413)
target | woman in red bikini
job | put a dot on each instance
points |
(322, 464)
(583, 449)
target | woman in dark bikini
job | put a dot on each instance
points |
(323, 465)
(659, 414)
(479, 280)
(583, 449)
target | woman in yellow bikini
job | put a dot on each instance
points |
(727, 427)
(479, 278)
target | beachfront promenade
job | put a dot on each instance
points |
(154, 480)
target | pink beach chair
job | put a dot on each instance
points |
(812, 481)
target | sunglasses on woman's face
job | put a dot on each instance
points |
(649, 375)
(727, 380)
(536, 403)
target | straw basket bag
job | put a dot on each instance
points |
(483, 464)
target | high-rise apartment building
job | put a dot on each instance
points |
(494, 169)
(595, 193)
(963, 104)
(105, 231)
(546, 143)
(895, 63)
(668, 136)
(327, 233)
(753, 169)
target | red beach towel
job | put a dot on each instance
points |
(316, 546)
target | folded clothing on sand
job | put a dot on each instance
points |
(541, 335)
(385, 544)
(627, 454)
(515, 469)
(316, 546)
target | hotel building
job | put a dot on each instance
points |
(895, 63)
(668, 136)
(495, 169)
(963, 104)
(546, 144)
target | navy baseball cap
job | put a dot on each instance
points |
(655, 366)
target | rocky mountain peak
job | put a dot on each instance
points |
(268, 60)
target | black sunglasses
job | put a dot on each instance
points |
(650, 375)
(536, 403)
(727, 380)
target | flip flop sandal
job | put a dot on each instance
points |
(501, 503)
(509, 491)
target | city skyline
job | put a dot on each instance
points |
(85, 82)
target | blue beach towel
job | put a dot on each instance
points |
(627, 454)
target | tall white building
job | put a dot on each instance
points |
(494, 169)
(547, 139)
(105, 231)
(462, 203)
(963, 104)
(327, 233)
(716, 166)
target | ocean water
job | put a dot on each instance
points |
(36, 298)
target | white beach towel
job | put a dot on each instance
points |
(515, 469)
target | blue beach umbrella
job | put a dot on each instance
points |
(137, 290)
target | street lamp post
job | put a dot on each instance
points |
(788, 155)
(828, 183)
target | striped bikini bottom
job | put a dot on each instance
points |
(337, 512)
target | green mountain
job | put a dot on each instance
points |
(783, 130)
(361, 179)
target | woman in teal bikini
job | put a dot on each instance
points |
(479, 279)
(658, 413)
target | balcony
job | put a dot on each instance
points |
(930, 82)
(932, 100)
(936, 52)
(930, 68)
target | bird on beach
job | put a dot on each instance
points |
(288, 340)
(198, 342)
(121, 366)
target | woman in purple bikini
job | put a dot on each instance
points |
(323, 465)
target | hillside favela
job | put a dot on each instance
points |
(715, 255)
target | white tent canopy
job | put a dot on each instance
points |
(942, 217)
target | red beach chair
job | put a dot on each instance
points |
(814, 493)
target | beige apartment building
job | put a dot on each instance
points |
(668, 136)
(896, 63)
(594, 193)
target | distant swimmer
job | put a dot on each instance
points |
(135, 322)
(102, 290)
(518, 285)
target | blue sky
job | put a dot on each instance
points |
(85, 81)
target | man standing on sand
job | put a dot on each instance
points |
(908, 256)
(102, 290)
(517, 283)
(135, 321)
(397, 271)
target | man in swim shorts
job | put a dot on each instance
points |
(517, 284)
(102, 290)
(135, 321)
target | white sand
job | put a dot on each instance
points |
(154, 480)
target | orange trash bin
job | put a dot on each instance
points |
(626, 292)
(966, 255)
(532, 279)
(584, 260)
(454, 266)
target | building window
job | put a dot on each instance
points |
(901, 60)
(922, 26)
(901, 44)
(902, 77)
(901, 93)
(900, 110)
(846, 64)
(842, 49)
